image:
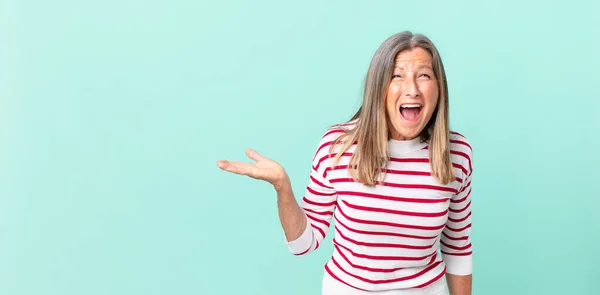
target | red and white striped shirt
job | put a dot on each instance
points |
(406, 232)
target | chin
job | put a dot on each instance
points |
(412, 134)
(406, 133)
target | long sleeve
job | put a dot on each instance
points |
(455, 242)
(318, 202)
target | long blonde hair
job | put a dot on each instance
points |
(371, 133)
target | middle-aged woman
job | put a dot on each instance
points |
(396, 180)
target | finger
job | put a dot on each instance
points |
(222, 164)
(238, 168)
(254, 155)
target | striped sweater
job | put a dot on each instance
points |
(406, 232)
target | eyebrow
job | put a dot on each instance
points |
(418, 67)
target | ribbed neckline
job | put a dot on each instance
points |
(399, 147)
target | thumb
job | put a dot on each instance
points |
(254, 155)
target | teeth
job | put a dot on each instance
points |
(410, 106)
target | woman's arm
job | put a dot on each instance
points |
(459, 285)
(304, 225)
(293, 220)
(292, 217)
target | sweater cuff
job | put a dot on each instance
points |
(458, 265)
(303, 243)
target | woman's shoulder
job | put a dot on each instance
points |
(346, 125)
(334, 131)
(459, 142)
(461, 150)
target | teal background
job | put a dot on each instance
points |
(113, 114)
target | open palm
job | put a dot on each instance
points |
(264, 168)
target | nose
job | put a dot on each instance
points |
(410, 88)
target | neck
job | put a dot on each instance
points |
(397, 136)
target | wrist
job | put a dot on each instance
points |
(283, 187)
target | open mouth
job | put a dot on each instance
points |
(410, 112)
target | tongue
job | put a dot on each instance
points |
(410, 113)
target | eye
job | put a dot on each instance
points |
(396, 76)
(425, 75)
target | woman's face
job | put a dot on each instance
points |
(412, 95)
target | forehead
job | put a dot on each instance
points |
(416, 55)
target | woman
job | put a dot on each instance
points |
(398, 180)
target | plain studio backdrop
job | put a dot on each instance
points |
(113, 114)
